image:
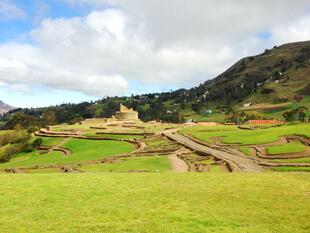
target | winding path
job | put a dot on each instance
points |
(237, 163)
(178, 165)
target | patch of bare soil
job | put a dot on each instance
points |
(178, 165)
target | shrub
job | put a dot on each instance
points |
(37, 142)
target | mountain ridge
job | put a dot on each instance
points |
(4, 108)
(285, 65)
(276, 76)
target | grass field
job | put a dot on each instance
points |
(82, 150)
(34, 158)
(292, 147)
(297, 160)
(292, 169)
(246, 150)
(231, 134)
(154, 163)
(51, 141)
(163, 202)
(113, 136)
(92, 149)
(273, 110)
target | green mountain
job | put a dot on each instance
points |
(275, 76)
(263, 86)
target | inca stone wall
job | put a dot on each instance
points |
(127, 115)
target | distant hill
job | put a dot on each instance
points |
(275, 76)
(5, 107)
(269, 81)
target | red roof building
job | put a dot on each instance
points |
(264, 122)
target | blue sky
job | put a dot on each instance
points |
(15, 30)
(57, 51)
(34, 12)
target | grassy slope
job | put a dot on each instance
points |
(92, 149)
(246, 150)
(51, 141)
(226, 203)
(34, 158)
(292, 169)
(154, 163)
(298, 160)
(82, 150)
(258, 136)
(113, 136)
(292, 147)
(277, 110)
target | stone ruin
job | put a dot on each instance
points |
(125, 114)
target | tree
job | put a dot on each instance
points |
(196, 107)
(296, 114)
(49, 117)
(23, 120)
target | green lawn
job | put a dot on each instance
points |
(158, 142)
(231, 134)
(298, 160)
(95, 149)
(215, 116)
(113, 136)
(292, 147)
(34, 158)
(154, 163)
(82, 150)
(292, 169)
(161, 202)
(51, 141)
(246, 150)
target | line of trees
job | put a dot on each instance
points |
(16, 141)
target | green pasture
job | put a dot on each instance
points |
(34, 158)
(292, 147)
(291, 169)
(297, 160)
(277, 111)
(96, 149)
(246, 150)
(155, 202)
(151, 164)
(51, 141)
(231, 134)
(113, 136)
(82, 150)
(158, 142)
(214, 117)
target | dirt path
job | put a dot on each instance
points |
(237, 163)
(63, 142)
(178, 165)
(58, 147)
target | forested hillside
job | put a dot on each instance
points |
(276, 77)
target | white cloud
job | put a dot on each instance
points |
(161, 43)
(298, 30)
(9, 10)
(99, 55)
